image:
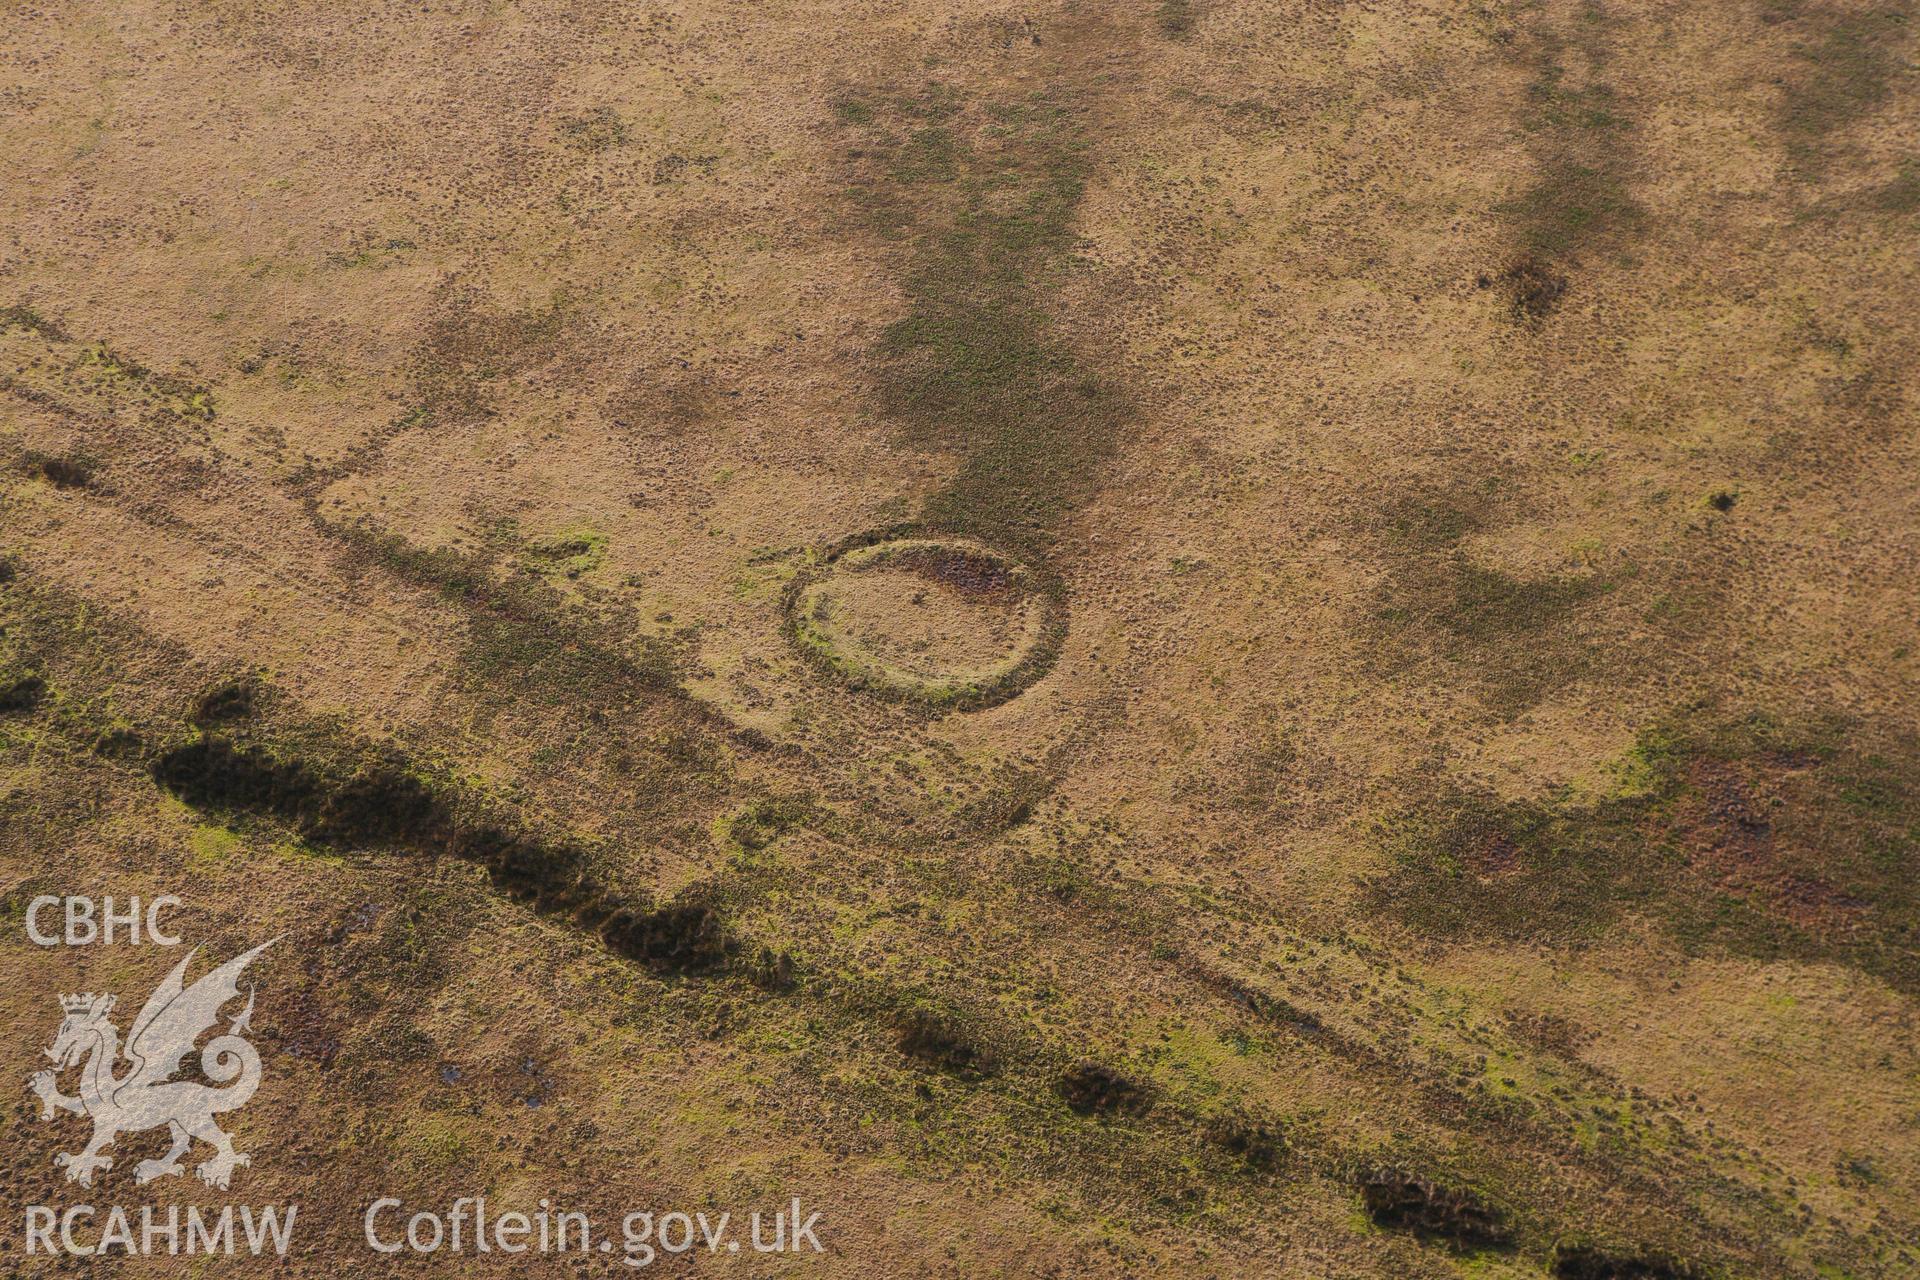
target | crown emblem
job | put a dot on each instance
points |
(81, 1004)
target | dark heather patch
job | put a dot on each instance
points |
(21, 695)
(1846, 66)
(1752, 837)
(117, 744)
(1514, 640)
(25, 317)
(688, 938)
(522, 636)
(1175, 18)
(1404, 1201)
(771, 970)
(985, 199)
(530, 871)
(598, 130)
(1259, 1144)
(764, 821)
(1585, 1262)
(60, 472)
(379, 805)
(1582, 144)
(224, 704)
(1536, 288)
(470, 348)
(1901, 195)
(382, 805)
(1511, 638)
(967, 574)
(212, 772)
(941, 1043)
(1091, 1088)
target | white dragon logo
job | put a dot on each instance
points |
(145, 1096)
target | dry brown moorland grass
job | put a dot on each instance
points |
(1465, 823)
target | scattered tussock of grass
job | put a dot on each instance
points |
(1176, 18)
(101, 365)
(600, 129)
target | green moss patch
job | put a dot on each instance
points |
(571, 553)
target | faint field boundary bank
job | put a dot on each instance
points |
(238, 758)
